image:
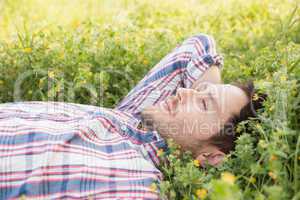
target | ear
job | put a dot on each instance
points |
(212, 157)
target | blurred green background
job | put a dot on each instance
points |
(80, 42)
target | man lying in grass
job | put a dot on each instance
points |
(54, 150)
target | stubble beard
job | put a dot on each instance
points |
(147, 120)
(168, 131)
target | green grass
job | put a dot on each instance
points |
(94, 52)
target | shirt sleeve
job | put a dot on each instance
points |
(204, 55)
(180, 68)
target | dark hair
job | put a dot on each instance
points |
(225, 139)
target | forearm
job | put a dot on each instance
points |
(213, 75)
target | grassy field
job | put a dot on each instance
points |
(94, 52)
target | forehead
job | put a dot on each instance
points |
(221, 90)
(231, 98)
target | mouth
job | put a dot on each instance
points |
(170, 105)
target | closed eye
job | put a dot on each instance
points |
(178, 96)
(204, 104)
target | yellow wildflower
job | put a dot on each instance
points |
(27, 50)
(35, 17)
(271, 108)
(228, 177)
(62, 55)
(196, 163)
(75, 24)
(201, 193)
(252, 180)
(262, 143)
(1, 82)
(160, 152)
(46, 45)
(153, 187)
(177, 152)
(258, 126)
(272, 175)
(255, 97)
(283, 78)
(51, 74)
(273, 157)
(238, 129)
(41, 82)
(145, 62)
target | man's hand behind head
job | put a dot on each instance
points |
(212, 75)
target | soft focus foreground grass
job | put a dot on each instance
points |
(94, 52)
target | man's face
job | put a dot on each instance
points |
(192, 116)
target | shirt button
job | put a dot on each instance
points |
(123, 127)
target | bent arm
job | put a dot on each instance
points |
(189, 62)
(213, 75)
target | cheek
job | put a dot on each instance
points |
(196, 105)
(213, 124)
(191, 125)
(202, 126)
(197, 123)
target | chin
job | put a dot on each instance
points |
(153, 117)
(147, 117)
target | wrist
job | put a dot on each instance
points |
(213, 75)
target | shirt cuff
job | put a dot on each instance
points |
(198, 65)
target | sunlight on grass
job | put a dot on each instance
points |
(41, 14)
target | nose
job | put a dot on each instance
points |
(183, 94)
(203, 86)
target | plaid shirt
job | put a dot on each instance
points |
(55, 150)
